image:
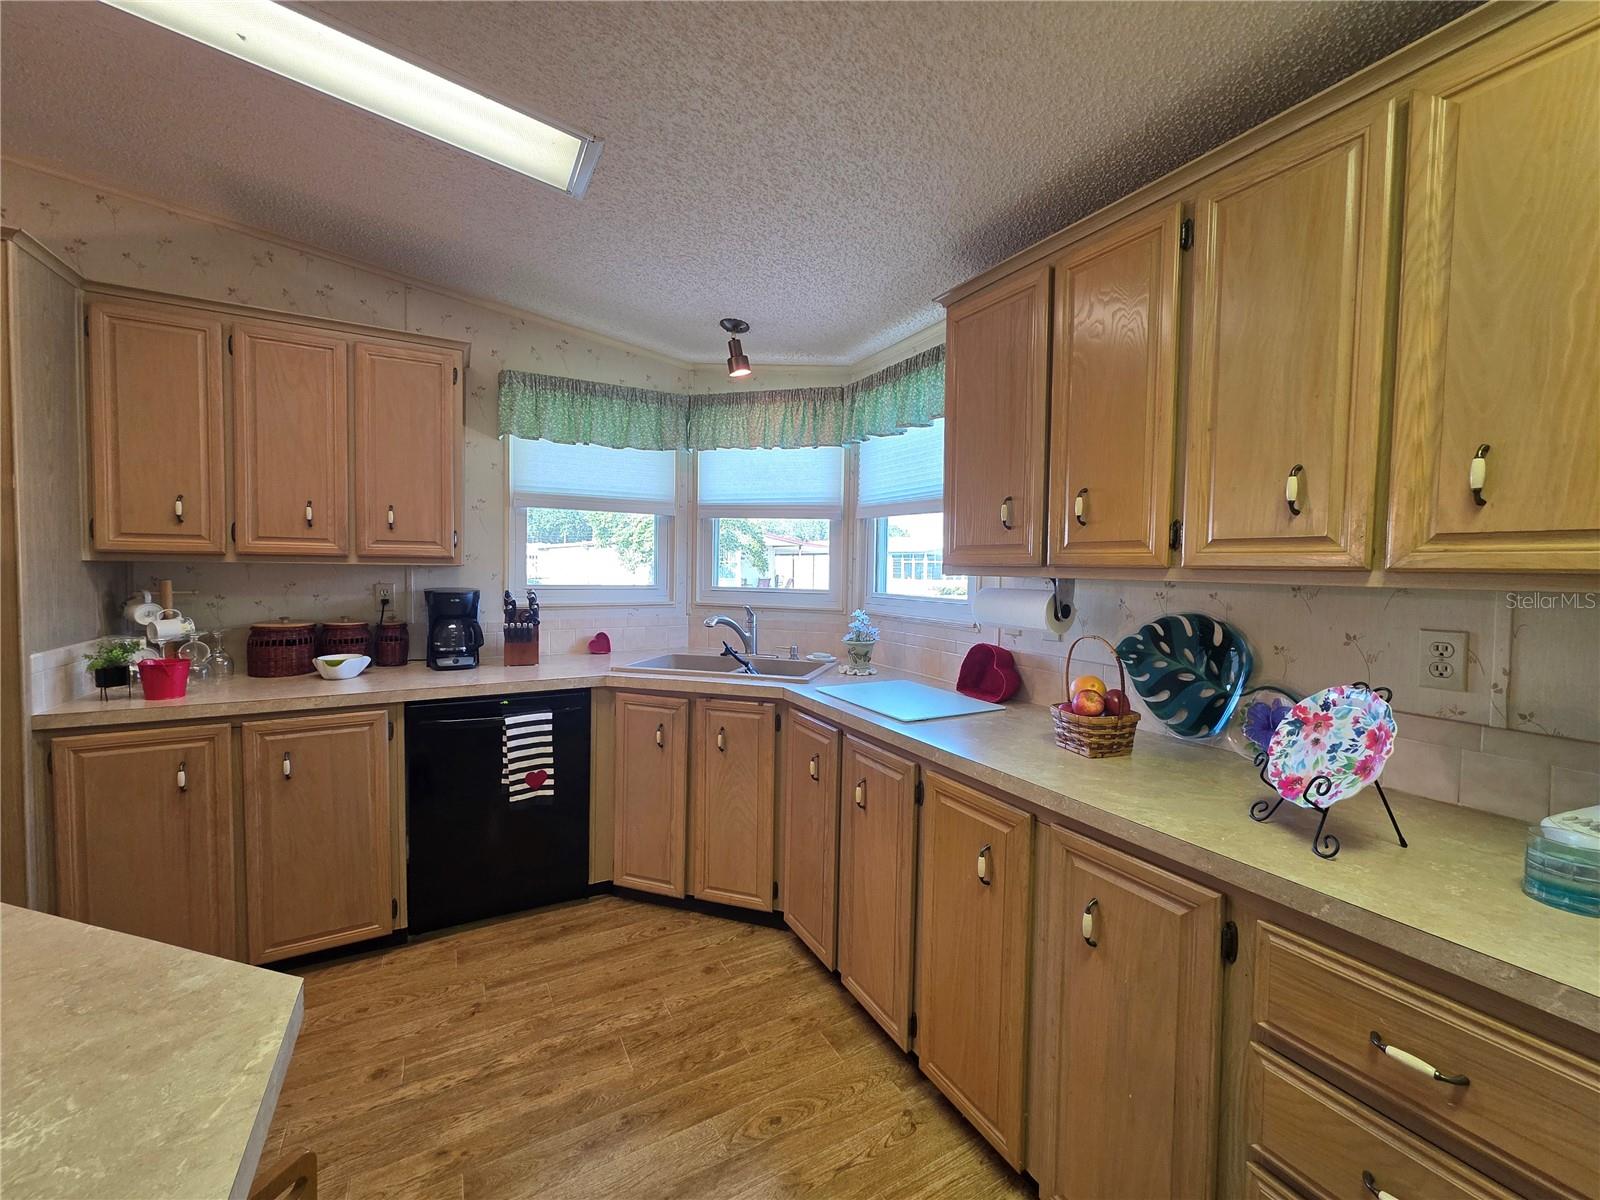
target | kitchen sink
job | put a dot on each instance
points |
(767, 667)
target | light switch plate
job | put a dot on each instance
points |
(1442, 660)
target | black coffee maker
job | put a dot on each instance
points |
(454, 635)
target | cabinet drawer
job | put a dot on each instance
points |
(1521, 1101)
(1331, 1146)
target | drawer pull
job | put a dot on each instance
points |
(815, 767)
(1088, 921)
(1478, 475)
(288, 766)
(985, 874)
(310, 515)
(183, 776)
(861, 794)
(1291, 490)
(1005, 512)
(1371, 1184)
(661, 735)
(391, 516)
(177, 509)
(722, 740)
(1406, 1059)
(1078, 506)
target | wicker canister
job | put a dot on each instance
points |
(392, 644)
(276, 649)
(1094, 737)
(344, 637)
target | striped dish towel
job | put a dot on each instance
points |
(527, 755)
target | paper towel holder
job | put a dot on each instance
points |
(1062, 608)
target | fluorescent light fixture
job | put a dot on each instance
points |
(321, 57)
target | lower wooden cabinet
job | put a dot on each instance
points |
(317, 832)
(877, 879)
(972, 955)
(652, 793)
(733, 803)
(144, 834)
(1137, 1026)
(808, 877)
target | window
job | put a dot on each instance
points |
(592, 525)
(900, 496)
(771, 524)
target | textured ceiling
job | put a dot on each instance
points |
(821, 170)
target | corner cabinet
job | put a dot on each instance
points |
(996, 376)
(652, 793)
(1292, 251)
(156, 449)
(808, 878)
(733, 806)
(1497, 385)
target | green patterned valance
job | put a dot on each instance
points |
(787, 418)
(578, 411)
(910, 393)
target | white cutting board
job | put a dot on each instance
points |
(902, 700)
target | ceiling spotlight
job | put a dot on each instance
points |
(738, 364)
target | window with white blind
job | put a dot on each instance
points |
(900, 498)
(591, 525)
(770, 526)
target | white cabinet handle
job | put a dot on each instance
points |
(1478, 474)
(288, 766)
(310, 516)
(1088, 922)
(391, 516)
(985, 865)
(1406, 1059)
(815, 772)
(1005, 512)
(1291, 490)
(177, 508)
(1078, 505)
(722, 740)
(661, 735)
(861, 794)
(183, 776)
(1371, 1184)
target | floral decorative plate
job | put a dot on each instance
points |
(1343, 734)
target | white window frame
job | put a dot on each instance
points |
(947, 611)
(669, 548)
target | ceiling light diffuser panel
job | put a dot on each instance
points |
(283, 41)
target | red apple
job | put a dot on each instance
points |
(1089, 703)
(1117, 703)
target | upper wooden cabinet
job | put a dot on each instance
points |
(291, 440)
(408, 445)
(156, 457)
(1499, 352)
(144, 834)
(317, 832)
(809, 877)
(996, 375)
(651, 793)
(1292, 251)
(972, 955)
(877, 874)
(733, 803)
(1114, 394)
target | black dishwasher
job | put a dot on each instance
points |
(497, 806)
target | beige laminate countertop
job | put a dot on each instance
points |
(1452, 899)
(132, 1068)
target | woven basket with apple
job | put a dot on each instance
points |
(1095, 721)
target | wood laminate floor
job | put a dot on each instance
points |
(613, 1049)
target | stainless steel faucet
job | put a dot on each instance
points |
(747, 637)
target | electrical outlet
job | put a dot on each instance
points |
(1442, 660)
(382, 592)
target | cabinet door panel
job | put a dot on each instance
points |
(652, 793)
(877, 852)
(733, 801)
(996, 372)
(972, 955)
(1500, 284)
(1292, 249)
(1138, 1027)
(809, 892)
(291, 441)
(144, 834)
(408, 430)
(155, 428)
(1113, 401)
(317, 832)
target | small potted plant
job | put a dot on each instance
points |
(859, 638)
(110, 663)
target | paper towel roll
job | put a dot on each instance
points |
(1018, 608)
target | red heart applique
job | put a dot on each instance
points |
(535, 779)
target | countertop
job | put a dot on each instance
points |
(132, 1068)
(1452, 899)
